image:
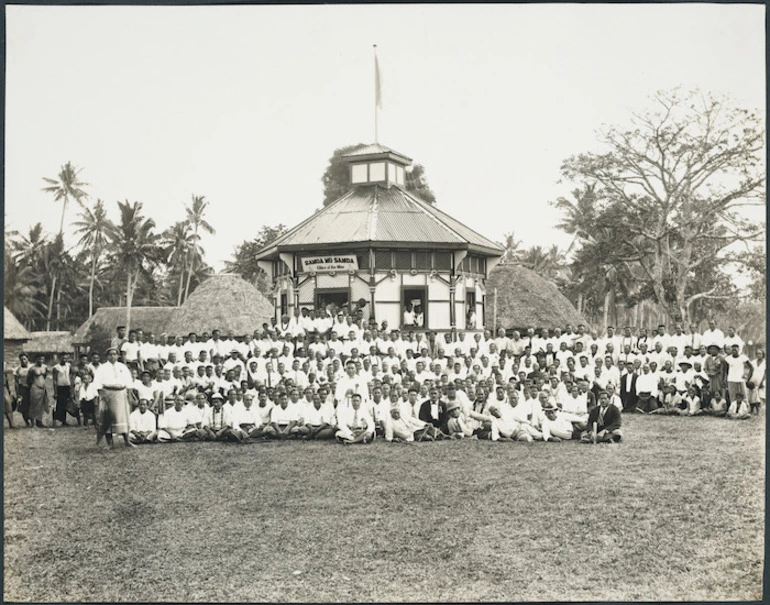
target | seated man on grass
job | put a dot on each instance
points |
(142, 424)
(246, 422)
(283, 419)
(555, 424)
(354, 425)
(172, 424)
(671, 402)
(455, 424)
(407, 428)
(604, 422)
(739, 407)
(316, 422)
(217, 423)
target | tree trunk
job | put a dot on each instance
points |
(91, 287)
(189, 277)
(63, 210)
(50, 304)
(181, 284)
(580, 303)
(128, 302)
(606, 308)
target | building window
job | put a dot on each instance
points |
(284, 304)
(442, 261)
(382, 260)
(422, 260)
(363, 259)
(358, 173)
(377, 171)
(414, 309)
(403, 260)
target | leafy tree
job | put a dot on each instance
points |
(177, 242)
(336, 177)
(244, 261)
(195, 218)
(134, 248)
(93, 228)
(21, 288)
(668, 192)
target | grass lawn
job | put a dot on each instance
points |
(676, 512)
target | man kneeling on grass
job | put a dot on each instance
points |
(316, 422)
(354, 425)
(142, 424)
(739, 407)
(246, 421)
(604, 422)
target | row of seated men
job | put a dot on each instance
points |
(499, 415)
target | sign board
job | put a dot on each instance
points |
(333, 262)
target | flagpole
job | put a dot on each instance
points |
(376, 91)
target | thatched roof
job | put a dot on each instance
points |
(525, 299)
(223, 302)
(49, 342)
(149, 319)
(12, 328)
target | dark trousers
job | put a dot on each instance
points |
(62, 402)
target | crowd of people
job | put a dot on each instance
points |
(338, 378)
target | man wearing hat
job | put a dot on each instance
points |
(554, 425)
(112, 380)
(603, 422)
(218, 422)
(715, 368)
(685, 376)
(455, 425)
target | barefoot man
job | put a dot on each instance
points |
(112, 379)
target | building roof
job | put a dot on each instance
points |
(222, 302)
(12, 328)
(49, 342)
(149, 319)
(524, 299)
(375, 149)
(380, 216)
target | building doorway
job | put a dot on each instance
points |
(414, 307)
(470, 310)
(332, 299)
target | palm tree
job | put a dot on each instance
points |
(196, 221)
(65, 187)
(135, 244)
(20, 288)
(512, 249)
(93, 229)
(177, 243)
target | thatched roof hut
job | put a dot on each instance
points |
(49, 343)
(223, 302)
(14, 336)
(12, 328)
(149, 319)
(524, 299)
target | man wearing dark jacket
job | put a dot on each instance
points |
(628, 388)
(433, 410)
(606, 419)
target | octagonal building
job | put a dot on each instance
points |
(381, 244)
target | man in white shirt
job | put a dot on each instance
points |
(142, 424)
(246, 420)
(131, 351)
(283, 419)
(555, 425)
(112, 380)
(172, 424)
(713, 336)
(354, 424)
(661, 337)
(647, 389)
(217, 424)
(733, 339)
(316, 421)
(737, 365)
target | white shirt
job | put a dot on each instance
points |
(713, 337)
(735, 367)
(283, 416)
(130, 351)
(173, 420)
(142, 423)
(733, 340)
(217, 420)
(112, 375)
(243, 415)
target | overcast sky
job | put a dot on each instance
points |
(245, 104)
